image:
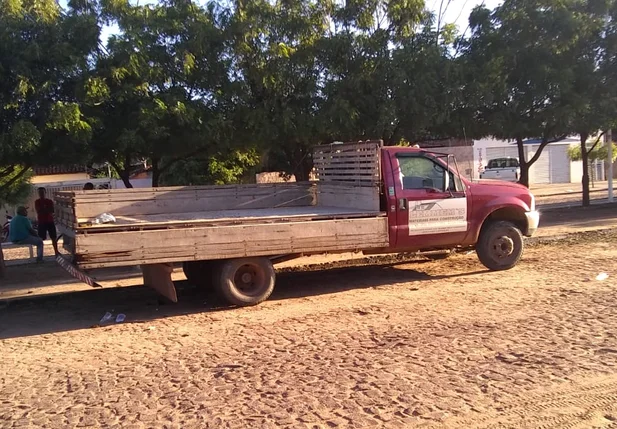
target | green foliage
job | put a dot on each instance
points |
(14, 189)
(219, 169)
(43, 53)
(205, 92)
(599, 152)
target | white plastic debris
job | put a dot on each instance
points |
(120, 318)
(602, 276)
(104, 218)
(107, 317)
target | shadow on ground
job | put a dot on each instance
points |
(44, 315)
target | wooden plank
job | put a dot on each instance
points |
(158, 277)
(176, 190)
(348, 197)
(148, 247)
(179, 193)
(218, 200)
(364, 180)
(229, 217)
(346, 157)
(360, 165)
(357, 163)
(347, 170)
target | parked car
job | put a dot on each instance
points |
(508, 169)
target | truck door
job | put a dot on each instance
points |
(431, 207)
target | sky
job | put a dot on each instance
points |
(457, 11)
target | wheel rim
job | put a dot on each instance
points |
(250, 280)
(502, 247)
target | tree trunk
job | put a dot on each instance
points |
(2, 266)
(524, 179)
(304, 165)
(124, 175)
(585, 161)
(125, 171)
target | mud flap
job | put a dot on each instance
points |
(158, 277)
(73, 271)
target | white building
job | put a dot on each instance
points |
(553, 165)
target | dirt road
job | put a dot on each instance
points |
(438, 344)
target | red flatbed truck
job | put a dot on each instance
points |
(367, 198)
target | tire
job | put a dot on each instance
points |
(199, 273)
(247, 281)
(500, 246)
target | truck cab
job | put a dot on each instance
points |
(431, 206)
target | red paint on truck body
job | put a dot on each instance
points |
(479, 198)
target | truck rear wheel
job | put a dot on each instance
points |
(500, 246)
(247, 281)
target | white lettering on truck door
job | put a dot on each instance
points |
(437, 216)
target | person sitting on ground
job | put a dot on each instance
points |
(45, 211)
(21, 232)
(88, 186)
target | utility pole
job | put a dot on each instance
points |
(609, 137)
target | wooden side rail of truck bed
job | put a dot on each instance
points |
(233, 230)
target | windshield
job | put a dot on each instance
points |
(503, 163)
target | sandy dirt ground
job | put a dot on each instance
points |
(396, 344)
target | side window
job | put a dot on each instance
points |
(421, 173)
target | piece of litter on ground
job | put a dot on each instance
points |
(120, 318)
(107, 317)
(602, 276)
(150, 328)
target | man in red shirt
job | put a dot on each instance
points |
(45, 211)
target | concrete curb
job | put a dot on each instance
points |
(570, 205)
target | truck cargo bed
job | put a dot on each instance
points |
(227, 217)
(339, 212)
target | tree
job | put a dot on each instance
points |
(426, 85)
(156, 94)
(233, 166)
(278, 79)
(591, 97)
(594, 152)
(517, 73)
(43, 54)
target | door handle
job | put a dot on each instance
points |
(402, 204)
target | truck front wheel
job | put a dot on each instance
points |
(500, 246)
(246, 281)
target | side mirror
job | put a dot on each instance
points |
(446, 181)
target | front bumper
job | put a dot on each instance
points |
(533, 220)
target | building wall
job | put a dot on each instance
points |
(51, 178)
(535, 176)
(137, 183)
(576, 171)
(272, 177)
